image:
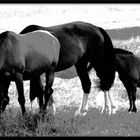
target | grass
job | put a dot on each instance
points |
(67, 96)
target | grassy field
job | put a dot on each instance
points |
(67, 96)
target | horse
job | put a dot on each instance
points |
(128, 68)
(82, 43)
(30, 54)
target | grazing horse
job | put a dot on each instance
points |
(128, 68)
(80, 44)
(27, 55)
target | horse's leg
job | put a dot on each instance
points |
(112, 106)
(32, 94)
(105, 102)
(127, 86)
(6, 83)
(40, 93)
(134, 109)
(81, 68)
(36, 90)
(51, 104)
(4, 99)
(48, 88)
(129, 97)
(20, 89)
(131, 90)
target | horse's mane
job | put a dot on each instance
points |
(122, 51)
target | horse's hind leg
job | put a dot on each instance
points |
(48, 88)
(81, 68)
(134, 109)
(40, 93)
(51, 104)
(36, 90)
(4, 85)
(132, 97)
(20, 89)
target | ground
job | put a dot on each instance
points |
(67, 96)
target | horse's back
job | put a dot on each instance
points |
(128, 67)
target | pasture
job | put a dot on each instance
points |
(67, 97)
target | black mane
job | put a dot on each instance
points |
(122, 51)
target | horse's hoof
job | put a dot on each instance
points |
(112, 112)
(24, 114)
(80, 113)
(102, 110)
(129, 110)
(134, 110)
(84, 113)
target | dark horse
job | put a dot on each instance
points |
(34, 53)
(128, 68)
(80, 44)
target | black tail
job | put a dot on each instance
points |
(107, 73)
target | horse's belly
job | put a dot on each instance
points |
(69, 57)
(37, 64)
(65, 63)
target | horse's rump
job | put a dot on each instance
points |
(41, 50)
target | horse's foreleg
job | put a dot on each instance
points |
(86, 85)
(84, 106)
(112, 106)
(6, 83)
(105, 102)
(20, 89)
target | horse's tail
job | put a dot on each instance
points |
(106, 73)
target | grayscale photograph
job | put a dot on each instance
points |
(69, 70)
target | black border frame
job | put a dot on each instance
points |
(68, 1)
